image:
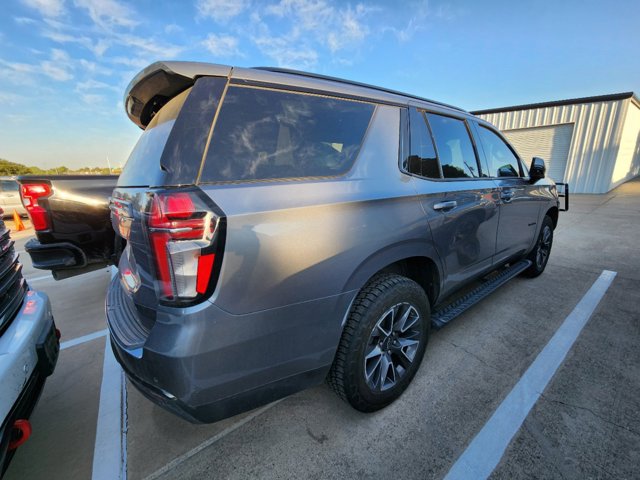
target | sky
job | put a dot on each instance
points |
(65, 64)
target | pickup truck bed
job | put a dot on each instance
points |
(78, 236)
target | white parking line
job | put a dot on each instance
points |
(83, 339)
(109, 453)
(219, 436)
(485, 451)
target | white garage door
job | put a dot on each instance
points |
(550, 143)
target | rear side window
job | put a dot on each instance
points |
(501, 161)
(268, 134)
(422, 158)
(455, 150)
(143, 166)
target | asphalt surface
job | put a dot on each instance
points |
(586, 423)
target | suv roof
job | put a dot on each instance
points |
(161, 81)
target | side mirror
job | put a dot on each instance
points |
(538, 169)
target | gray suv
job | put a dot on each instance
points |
(282, 228)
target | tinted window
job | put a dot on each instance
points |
(143, 166)
(455, 150)
(500, 159)
(263, 134)
(8, 186)
(182, 156)
(422, 155)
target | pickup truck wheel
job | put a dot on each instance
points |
(540, 253)
(382, 343)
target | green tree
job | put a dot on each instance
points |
(10, 168)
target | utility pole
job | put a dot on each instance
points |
(109, 165)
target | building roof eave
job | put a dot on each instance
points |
(557, 103)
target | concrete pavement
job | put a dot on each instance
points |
(586, 424)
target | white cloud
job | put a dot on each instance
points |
(9, 98)
(17, 73)
(87, 66)
(222, 45)
(24, 20)
(98, 47)
(311, 14)
(58, 55)
(221, 10)
(313, 25)
(59, 67)
(134, 62)
(60, 37)
(419, 20)
(92, 84)
(172, 28)
(56, 72)
(332, 27)
(286, 53)
(109, 13)
(91, 98)
(150, 47)
(48, 8)
(350, 31)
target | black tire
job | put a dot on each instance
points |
(539, 256)
(378, 298)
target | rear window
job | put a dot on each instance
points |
(8, 186)
(265, 134)
(143, 166)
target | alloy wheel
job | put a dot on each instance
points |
(392, 346)
(544, 247)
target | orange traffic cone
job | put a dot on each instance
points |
(18, 221)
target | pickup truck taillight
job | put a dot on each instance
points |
(186, 238)
(31, 193)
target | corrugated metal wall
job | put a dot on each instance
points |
(551, 142)
(628, 163)
(596, 138)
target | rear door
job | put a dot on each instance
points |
(459, 203)
(520, 201)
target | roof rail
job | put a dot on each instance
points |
(352, 82)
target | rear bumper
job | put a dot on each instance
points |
(28, 354)
(224, 407)
(55, 256)
(205, 364)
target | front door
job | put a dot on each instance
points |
(520, 202)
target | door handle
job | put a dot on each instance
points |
(445, 205)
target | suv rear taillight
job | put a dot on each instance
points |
(186, 237)
(30, 193)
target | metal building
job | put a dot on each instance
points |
(593, 143)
